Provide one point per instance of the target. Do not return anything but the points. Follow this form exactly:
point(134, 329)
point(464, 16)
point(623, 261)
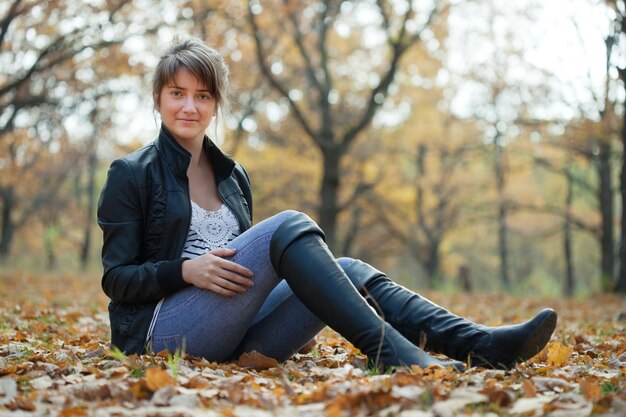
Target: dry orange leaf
point(256, 360)
point(591, 389)
point(558, 354)
point(228, 412)
point(20, 337)
point(501, 397)
point(333, 409)
point(22, 403)
point(197, 383)
point(157, 378)
point(530, 390)
point(140, 390)
point(72, 412)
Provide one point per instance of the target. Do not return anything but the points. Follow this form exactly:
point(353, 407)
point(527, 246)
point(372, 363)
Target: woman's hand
point(214, 273)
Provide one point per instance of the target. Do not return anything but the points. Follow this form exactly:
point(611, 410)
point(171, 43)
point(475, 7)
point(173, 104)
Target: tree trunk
point(6, 224)
point(503, 248)
point(329, 207)
point(569, 285)
point(432, 266)
point(620, 284)
point(91, 202)
point(50, 240)
point(465, 280)
point(353, 231)
point(606, 211)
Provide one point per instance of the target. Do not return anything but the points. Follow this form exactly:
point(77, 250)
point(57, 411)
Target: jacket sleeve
point(128, 277)
point(245, 185)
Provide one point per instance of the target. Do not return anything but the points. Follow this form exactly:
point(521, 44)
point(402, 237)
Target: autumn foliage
point(55, 360)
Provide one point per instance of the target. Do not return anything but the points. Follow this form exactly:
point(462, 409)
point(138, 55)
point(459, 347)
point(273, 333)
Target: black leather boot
point(300, 256)
point(419, 319)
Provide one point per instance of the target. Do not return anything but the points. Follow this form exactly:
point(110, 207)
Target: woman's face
point(186, 107)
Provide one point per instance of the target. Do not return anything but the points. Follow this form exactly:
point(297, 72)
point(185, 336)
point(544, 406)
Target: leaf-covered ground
point(55, 361)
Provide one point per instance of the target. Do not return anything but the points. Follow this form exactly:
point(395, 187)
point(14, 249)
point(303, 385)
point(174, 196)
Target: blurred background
point(472, 145)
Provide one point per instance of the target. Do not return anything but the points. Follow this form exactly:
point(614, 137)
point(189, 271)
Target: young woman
point(185, 269)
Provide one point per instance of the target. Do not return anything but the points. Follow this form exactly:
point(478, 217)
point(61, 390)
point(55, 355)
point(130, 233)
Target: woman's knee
point(285, 214)
point(344, 262)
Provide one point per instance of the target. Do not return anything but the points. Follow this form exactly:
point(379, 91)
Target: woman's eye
point(175, 93)
point(204, 97)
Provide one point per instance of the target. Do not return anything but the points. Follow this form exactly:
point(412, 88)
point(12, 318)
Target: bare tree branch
point(299, 40)
point(398, 48)
point(12, 13)
point(558, 170)
point(266, 70)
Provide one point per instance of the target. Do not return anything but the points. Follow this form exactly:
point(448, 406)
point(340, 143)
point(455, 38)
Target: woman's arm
point(128, 277)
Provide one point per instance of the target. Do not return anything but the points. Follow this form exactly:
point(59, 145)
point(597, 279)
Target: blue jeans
point(267, 318)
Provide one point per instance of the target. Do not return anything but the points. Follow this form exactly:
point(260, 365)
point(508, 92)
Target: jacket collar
point(178, 158)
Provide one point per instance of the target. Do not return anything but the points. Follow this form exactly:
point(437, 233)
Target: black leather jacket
point(144, 212)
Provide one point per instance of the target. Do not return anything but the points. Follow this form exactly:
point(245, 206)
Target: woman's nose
point(188, 105)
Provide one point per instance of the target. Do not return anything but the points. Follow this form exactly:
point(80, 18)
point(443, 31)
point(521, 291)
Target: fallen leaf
point(8, 390)
point(41, 383)
point(501, 397)
point(91, 391)
point(569, 405)
point(529, 388)
point(544, 383)
point(228, 412)
point(157, 378)
point(197, 383)
point(373, 400)
point(256, 360)
point(558, 354)
point(22, 403)
point(73, 412)
point(410, 392)
point(140, 390)
point(591, 389)
point(163, 396)
point(459, 398)
point(530, 405)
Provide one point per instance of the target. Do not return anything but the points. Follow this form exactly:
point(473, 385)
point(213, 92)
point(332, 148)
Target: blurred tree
point(586, 141)
point(565, 210)
point(616, 51)
point(60, 60)
point(427, 192)
point(333, 72)
point(442, 184)
point(502, 90)
point(591, 141)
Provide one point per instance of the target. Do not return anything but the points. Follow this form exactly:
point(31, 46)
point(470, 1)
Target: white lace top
point(208, 230)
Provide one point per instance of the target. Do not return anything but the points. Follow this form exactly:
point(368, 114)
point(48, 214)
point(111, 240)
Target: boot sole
point(540, 336)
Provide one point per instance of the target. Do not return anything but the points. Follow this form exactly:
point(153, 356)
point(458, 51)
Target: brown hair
point(205, 63)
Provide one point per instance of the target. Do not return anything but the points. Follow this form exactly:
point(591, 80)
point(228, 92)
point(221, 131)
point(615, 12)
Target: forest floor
point(55, 361)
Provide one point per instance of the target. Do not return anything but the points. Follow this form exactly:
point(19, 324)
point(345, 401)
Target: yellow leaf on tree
point(558, 354)
point(157, 378)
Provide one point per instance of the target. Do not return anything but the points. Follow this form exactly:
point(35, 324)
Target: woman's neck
point(197, 156)
point(195, 148)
